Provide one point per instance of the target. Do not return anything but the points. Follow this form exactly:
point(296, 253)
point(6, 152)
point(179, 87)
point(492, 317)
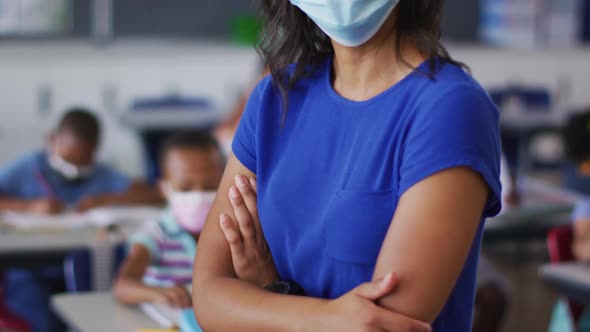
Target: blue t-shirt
point(330, 173)
point(24, 179)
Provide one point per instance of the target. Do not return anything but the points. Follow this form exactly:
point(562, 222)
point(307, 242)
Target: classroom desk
point(572, 280)
point(98, 312)
point(525, 126)
point(527, 222)
point(543, 208)
point(34, 248)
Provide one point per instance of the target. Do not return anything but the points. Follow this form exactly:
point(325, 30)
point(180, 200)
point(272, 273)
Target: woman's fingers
point(377, 289)
point(232, 235)
point(249, 190)
point(390, 321)
point(254, 185)
point(248, 195)
point(243, 216)
point(383, 319)
point(257, 226)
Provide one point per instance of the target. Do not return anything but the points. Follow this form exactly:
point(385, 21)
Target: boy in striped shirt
point(160, 261)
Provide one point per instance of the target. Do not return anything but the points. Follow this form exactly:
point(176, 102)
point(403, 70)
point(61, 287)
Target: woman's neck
point(363, 72)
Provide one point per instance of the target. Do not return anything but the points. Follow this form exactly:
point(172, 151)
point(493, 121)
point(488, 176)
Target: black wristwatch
point(287, 287)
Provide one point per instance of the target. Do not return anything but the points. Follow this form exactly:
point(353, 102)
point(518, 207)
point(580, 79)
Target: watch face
point(285, 287)
point(280, 287)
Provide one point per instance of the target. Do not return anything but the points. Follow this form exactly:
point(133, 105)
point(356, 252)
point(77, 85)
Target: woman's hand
point(251, 256)
point(357, 311)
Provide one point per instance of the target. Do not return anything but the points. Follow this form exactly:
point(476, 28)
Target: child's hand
point(91, 202)
point(251, 256)
point(176, 296)
point(46, 206)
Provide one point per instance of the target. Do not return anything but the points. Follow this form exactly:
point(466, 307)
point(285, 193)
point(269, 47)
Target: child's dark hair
point(82, 123)
point(576, 137)
point(191, 139)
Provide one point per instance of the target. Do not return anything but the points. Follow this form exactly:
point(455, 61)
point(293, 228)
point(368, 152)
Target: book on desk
point(169, 317)
point(99, 217)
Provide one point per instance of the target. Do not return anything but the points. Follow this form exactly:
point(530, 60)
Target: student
point(64, 175)
point(576, 172)
point(576, 135)
point(375, 154)
point(159, 264)
point(492, 287)
point(491, 297)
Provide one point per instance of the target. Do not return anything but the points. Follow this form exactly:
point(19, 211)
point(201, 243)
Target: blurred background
point(147, 67)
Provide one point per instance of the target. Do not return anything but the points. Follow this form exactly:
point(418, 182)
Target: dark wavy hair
point(290, 36)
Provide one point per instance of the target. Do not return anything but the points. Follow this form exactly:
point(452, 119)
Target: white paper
point(69, 220)
point(163, 314)
point(116, 215)
point(74, 220)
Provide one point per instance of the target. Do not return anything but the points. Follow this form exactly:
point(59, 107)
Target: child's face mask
point(67, 170)
point(190, 208)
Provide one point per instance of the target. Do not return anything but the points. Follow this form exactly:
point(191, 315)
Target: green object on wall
point(245, 30)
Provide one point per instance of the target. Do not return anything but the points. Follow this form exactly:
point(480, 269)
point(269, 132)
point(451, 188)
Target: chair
point(79, 268)
point(8, 320)
point(559, 244)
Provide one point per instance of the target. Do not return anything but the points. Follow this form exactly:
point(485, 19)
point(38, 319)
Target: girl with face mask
point(159, 264)
point(376, 158)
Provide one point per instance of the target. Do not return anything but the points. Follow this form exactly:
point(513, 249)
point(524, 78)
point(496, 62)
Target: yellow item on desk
point(157, 330)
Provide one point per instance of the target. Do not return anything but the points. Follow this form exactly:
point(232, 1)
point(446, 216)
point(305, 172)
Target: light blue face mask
point(348, 22)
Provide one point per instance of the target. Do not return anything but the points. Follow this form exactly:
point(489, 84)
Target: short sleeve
point(146, 237)
point(12, 175)
point(458, 129)
point(244, 143)
point(113, 180)
point(581, 211)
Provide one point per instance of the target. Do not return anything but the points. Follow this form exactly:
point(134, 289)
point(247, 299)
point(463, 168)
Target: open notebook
point(163, 314)
point(99, 217)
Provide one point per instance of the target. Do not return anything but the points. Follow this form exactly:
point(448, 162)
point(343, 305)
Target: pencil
point(45, 185)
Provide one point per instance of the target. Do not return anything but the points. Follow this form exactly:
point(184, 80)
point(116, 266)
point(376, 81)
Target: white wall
point(552, 68)
point(78, 74)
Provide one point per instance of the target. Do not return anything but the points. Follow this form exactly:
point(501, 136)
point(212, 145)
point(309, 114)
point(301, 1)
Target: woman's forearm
point(227, 304)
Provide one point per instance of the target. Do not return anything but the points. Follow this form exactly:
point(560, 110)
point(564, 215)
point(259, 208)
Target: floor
point(531, 302)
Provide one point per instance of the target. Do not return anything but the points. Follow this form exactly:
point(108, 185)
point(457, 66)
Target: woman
point(377, 160)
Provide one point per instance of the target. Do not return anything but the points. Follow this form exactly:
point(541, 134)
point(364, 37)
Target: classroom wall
point(108, 78)
point(566, 70)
